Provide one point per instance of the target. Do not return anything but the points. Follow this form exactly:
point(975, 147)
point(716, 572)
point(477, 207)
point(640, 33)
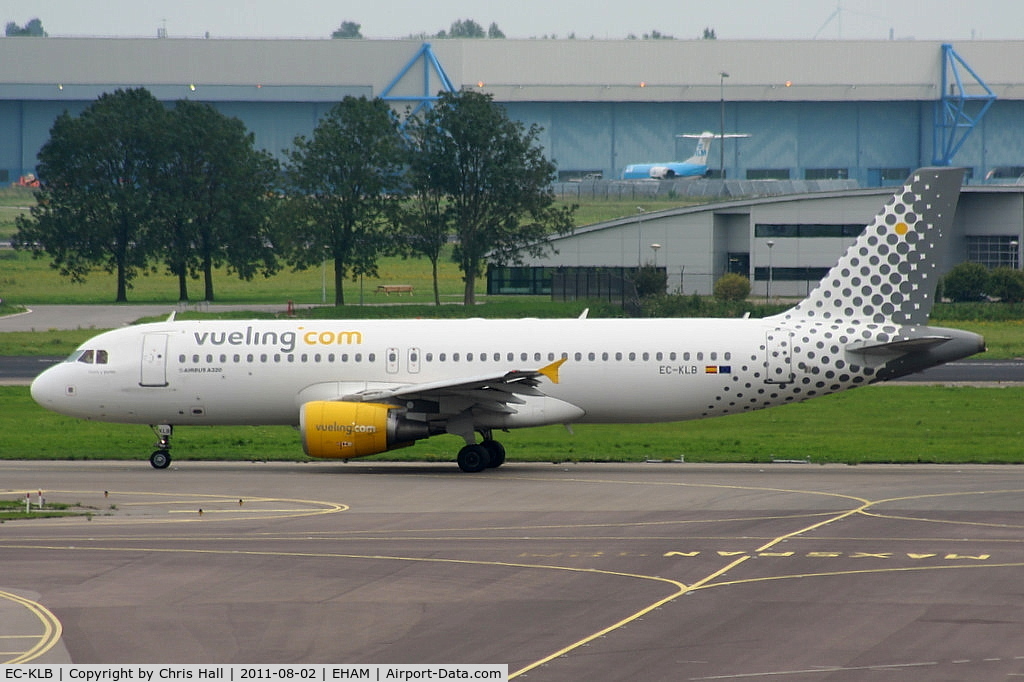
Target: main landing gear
point(488, 454)
point(161, 457)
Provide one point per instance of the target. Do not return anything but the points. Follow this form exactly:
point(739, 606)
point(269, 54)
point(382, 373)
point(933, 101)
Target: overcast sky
point(954, 20)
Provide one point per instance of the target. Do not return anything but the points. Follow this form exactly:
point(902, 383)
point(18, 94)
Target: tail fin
point(700, 155)
point(890, 273)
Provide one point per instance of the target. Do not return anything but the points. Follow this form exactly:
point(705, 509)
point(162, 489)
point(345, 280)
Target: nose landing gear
point(161, 457)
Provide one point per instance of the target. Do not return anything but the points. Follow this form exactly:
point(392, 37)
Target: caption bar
point(241, 673)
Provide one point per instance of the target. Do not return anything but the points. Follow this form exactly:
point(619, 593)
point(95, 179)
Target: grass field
point(899, 424)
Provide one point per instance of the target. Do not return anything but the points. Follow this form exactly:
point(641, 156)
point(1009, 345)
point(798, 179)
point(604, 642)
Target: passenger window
point(591, 356)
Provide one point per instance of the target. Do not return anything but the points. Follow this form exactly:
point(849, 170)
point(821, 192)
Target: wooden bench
point(388, 289)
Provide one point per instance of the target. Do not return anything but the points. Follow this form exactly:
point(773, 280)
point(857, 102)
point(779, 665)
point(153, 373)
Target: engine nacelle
point(340, 430)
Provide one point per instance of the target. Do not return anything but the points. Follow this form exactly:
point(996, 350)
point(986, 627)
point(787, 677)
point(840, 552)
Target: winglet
point(551, 371)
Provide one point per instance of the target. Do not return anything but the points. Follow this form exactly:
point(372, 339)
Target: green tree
point(426, 224)
point(464, 28)
point(214, 198)
point(494, 32)
point(496, 181)
point(1006, 284)
point(33, 29)
point(345, 186)
point(95, 203)
point(709, 34)
point(732, 286)
point(348, 29)
point(966, 282)
point(650, 281)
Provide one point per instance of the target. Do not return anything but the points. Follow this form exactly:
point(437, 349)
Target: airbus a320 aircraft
point(356, 388)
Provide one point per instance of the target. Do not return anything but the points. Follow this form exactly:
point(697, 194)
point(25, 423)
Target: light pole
point(654, 248)
point(768, 290)
point(721, 120)
point(1015, 245)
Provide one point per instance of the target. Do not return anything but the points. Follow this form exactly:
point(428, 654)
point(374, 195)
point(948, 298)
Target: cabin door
point(779, 350)
point(154, 360)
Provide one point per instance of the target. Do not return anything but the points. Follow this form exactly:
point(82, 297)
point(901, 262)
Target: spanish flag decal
point(718, 369)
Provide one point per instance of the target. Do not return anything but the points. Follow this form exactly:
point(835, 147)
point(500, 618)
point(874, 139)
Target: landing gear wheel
point(161, 459)
point(474, 458)
point(496, 451)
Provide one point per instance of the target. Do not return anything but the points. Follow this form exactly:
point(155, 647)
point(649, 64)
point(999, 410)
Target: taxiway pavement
point(564, 572)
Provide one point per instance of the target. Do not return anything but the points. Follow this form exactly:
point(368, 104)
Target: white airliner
point(694, 167)
point(356, 388)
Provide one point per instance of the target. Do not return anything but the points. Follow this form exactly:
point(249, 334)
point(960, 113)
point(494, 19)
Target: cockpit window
point(89, 357)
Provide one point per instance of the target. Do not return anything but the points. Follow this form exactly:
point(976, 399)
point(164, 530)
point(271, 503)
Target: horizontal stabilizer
point(921, 343)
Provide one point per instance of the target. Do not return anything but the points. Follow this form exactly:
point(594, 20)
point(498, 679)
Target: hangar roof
point(513, 70)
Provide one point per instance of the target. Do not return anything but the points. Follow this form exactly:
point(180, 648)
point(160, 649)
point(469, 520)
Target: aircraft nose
point(49, 388)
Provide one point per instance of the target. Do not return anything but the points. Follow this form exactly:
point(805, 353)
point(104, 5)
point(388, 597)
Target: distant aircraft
point(360, 387)
point(694, 167)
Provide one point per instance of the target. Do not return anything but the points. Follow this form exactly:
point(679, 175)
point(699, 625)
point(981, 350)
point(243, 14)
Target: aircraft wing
point(488, 391)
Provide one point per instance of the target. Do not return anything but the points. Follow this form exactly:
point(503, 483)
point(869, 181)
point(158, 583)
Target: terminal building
point(858, 112)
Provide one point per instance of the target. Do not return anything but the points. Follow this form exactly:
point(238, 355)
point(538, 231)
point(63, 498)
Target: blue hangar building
point(867, 112)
